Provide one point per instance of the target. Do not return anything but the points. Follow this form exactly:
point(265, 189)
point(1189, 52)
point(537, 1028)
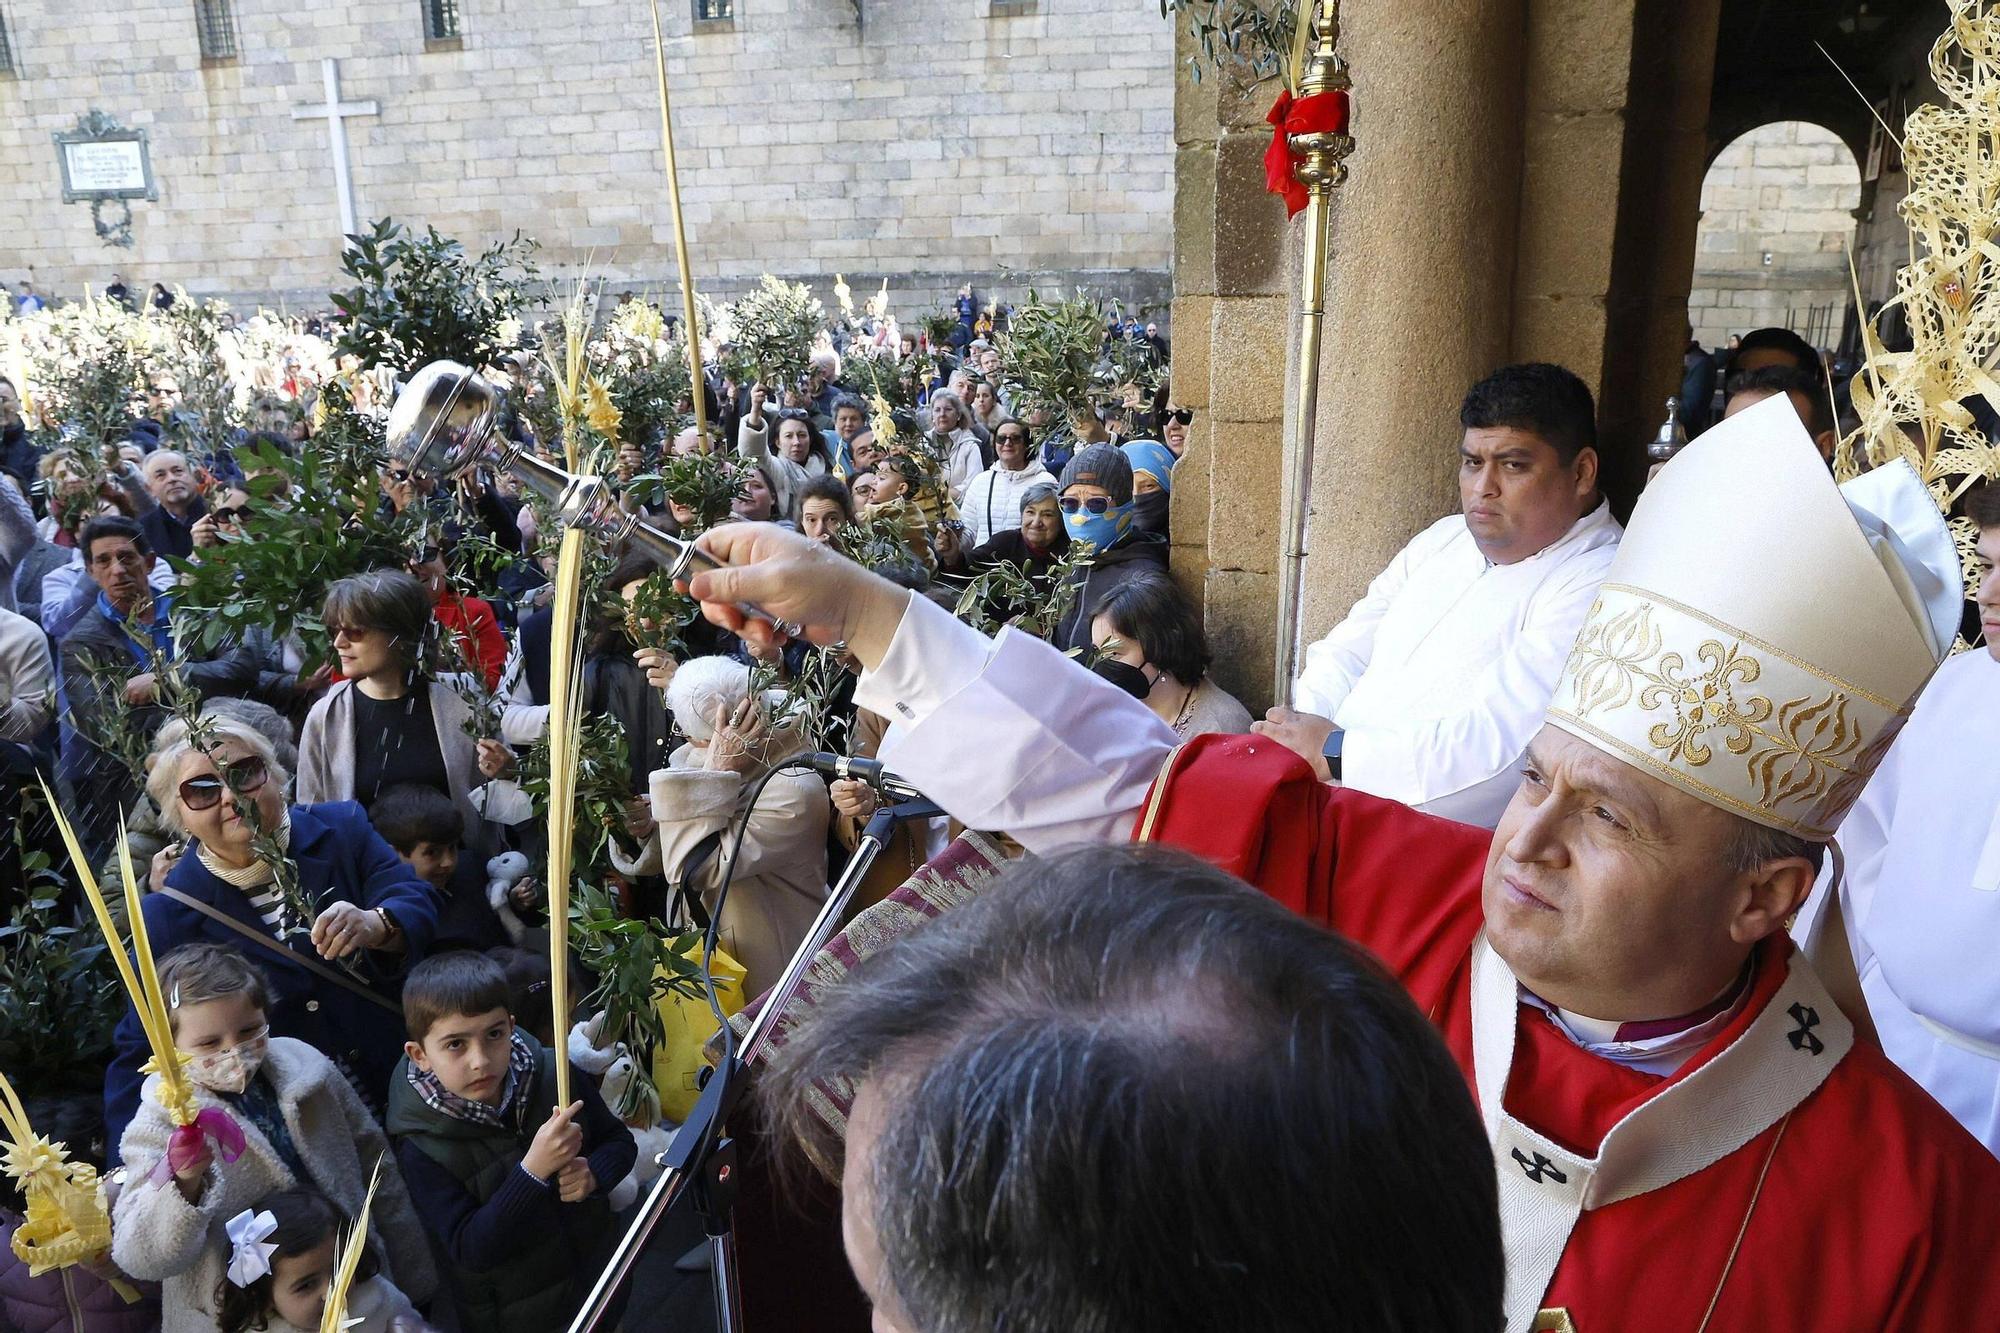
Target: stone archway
point(1777, 223)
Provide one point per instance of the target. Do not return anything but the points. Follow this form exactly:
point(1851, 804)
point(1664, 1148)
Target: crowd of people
point(338, 812)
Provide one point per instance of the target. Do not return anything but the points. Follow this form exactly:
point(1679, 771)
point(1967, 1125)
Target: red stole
point(1868, 1208)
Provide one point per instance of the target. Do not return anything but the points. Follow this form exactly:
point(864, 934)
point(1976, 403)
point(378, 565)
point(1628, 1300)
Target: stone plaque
point(102, 159)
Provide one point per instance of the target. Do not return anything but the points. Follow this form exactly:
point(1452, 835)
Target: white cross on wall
point(336, 113)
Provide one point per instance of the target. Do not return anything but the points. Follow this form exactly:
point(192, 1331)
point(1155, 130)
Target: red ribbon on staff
point(1322, 113)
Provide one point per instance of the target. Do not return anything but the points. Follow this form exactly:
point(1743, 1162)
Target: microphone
point(869, 771)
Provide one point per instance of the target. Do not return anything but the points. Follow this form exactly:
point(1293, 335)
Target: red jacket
point(478, 631)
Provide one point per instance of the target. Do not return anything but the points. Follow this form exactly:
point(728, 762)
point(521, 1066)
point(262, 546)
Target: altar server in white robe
point(1921, 896)
point(1428, 692)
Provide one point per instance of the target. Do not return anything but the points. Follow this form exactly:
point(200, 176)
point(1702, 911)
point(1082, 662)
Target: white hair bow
point(249, 1253)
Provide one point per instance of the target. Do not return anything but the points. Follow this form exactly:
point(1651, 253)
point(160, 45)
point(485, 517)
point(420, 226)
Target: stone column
point(1233, 285)
point(1420, 295)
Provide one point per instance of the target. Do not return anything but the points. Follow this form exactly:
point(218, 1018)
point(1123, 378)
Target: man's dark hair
point(451, 985)
point(1803, 353)
point(828, 487)
point(112, 525)
point(1541, 399)
point(1123, 1091)
point(1982, 506)
point(1154, 613)
point(409, 813)
point(1767, 380)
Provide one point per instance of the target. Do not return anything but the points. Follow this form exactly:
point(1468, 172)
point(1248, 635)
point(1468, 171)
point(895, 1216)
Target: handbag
point(687, 1023)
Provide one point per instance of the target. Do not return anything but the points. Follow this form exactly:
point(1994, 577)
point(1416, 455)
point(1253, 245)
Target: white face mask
point(231, 1070)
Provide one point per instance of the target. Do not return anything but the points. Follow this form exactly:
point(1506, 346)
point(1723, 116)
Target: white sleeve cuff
point(932, 656)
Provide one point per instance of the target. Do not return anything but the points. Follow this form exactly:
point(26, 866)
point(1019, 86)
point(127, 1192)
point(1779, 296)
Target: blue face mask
point(1101, 530)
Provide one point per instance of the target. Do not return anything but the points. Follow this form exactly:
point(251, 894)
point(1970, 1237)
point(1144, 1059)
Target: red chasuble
point(1865, 1208)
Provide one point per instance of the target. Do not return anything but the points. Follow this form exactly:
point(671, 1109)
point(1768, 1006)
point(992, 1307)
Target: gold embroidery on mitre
point(1807, 751)
point(1554, 1321)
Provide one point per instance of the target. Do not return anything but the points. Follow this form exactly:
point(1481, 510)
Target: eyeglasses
point(399, 475)
point(244, 776)
point(231, 513)
point(353, 632)
point(1181, 416)
point(1096, 504)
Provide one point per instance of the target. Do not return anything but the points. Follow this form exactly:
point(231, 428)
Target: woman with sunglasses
point(1174, 429)
point(390, 722)
point(992, 503)
point(1097, 508)
point(334, 948)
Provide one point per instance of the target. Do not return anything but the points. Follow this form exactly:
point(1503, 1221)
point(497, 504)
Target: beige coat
point(780, 881)
point(157, 1235)
point(326, 761)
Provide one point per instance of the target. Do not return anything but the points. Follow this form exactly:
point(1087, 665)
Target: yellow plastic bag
point(688, 1024)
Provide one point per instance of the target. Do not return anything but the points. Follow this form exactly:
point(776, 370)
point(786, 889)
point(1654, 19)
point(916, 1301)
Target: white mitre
point(1762, 634)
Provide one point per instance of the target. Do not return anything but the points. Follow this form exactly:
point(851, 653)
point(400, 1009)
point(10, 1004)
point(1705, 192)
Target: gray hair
point(159, 454)
point(1752, 845)
point(1041, 490)
point(704, 688)
point(173, 745)
point(956, 403)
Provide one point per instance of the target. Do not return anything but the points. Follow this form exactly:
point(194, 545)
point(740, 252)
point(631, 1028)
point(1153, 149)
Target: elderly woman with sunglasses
point(333, 924)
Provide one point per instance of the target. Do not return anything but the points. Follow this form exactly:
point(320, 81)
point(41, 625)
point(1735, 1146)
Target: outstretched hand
point(793, 578)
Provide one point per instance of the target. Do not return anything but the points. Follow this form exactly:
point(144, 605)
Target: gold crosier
point(1319, 165)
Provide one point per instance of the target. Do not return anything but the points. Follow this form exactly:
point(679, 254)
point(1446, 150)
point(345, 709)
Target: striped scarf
point(520, 1075)
point(258, 880)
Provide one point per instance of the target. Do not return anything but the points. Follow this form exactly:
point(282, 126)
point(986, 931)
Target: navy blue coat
point(340, 859)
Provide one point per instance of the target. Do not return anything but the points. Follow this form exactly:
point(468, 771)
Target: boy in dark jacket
point(511, 1186)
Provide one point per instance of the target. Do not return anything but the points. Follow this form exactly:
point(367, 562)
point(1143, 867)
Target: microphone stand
point(701, 1160)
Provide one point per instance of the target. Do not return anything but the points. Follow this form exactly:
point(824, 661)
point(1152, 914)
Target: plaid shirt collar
point(520, 1073)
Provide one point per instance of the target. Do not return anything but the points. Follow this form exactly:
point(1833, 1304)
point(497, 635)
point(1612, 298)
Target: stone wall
point(1777, 219)
point(1016, 143)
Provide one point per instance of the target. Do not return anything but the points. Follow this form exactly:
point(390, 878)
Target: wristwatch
point(1331, 751)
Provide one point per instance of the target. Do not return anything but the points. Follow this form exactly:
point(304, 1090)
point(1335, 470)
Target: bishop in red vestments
point(1687, 1132)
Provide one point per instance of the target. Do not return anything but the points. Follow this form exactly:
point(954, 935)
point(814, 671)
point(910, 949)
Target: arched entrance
point(1777, 222)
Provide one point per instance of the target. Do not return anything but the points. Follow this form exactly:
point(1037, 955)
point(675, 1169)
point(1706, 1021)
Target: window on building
point(215, 23)
point(714, 11)
point(440, 20)
point(6, 49)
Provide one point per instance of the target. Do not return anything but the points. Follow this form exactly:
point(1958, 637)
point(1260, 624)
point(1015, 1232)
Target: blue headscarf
point(1154, 459)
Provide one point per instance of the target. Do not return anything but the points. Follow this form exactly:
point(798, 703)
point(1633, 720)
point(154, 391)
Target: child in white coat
point(302, 1125)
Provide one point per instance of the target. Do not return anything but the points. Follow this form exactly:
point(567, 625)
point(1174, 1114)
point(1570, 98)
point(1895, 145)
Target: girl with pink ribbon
point(271, 1114)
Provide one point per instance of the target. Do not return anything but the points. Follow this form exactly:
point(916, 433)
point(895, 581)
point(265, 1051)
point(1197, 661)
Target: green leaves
point(774, 329)
point(59, 995)
point(1008, 594)
point(1241, 39)
point(1059, 360)
point(420, 298)
point(321, 524)
point(637, 964)
point(706, 483)
point(659, 615)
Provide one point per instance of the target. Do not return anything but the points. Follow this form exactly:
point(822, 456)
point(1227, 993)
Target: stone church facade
point(1011, 143)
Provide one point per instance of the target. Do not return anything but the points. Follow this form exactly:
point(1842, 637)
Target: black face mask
point(1125, 676)
point(1149, 512)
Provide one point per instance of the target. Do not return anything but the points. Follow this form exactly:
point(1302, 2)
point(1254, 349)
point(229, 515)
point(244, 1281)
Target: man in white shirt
point(1428, 692)
point(1921, 894)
